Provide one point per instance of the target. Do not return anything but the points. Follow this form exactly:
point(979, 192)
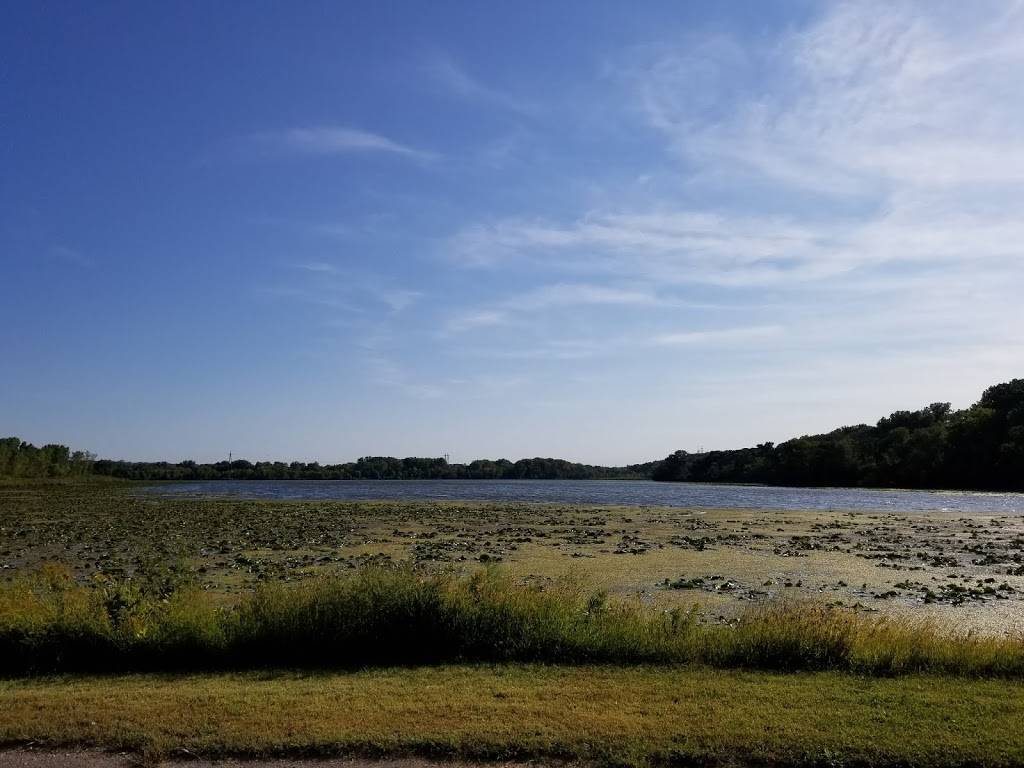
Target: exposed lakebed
point(960, 559)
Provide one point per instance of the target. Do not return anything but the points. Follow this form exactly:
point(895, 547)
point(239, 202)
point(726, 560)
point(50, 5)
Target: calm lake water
point(623, 492)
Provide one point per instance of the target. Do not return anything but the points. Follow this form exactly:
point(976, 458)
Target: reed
point(400, 616)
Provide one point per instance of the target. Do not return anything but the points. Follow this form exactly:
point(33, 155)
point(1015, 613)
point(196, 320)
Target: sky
point(601, 231)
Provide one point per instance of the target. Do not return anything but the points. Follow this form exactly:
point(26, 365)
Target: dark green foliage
point(19, 459)
point(372, 468)
point(981, 447)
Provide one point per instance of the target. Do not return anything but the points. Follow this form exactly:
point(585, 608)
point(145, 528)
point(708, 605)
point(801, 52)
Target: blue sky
point(601, 231)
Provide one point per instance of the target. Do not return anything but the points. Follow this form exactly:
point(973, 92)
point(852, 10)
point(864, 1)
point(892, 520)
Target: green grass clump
point(398, 615)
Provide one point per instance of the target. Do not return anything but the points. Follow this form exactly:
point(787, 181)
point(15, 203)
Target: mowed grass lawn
point(607, 715)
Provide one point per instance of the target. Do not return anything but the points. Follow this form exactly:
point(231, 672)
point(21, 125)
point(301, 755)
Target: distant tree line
point(20, 459)
point(371, 468)
point(981, 447)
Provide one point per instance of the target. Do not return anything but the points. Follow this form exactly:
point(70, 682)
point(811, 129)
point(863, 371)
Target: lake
point(619, 492)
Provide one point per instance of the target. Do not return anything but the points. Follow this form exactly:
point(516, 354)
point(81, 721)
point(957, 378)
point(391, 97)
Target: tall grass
point(398, 616)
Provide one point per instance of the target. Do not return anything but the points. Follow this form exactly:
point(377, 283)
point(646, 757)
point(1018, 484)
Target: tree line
point(372, 468)
point(980, 447)
point(21, 459)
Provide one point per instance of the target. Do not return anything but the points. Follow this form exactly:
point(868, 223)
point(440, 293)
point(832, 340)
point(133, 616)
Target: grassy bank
point(614, 716)
point(396, 615)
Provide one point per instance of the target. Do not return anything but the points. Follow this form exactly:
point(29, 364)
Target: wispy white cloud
point(731, 338)
point(716, 337)
point(339, 140)
point(742, 249)
point(388, 372)
point(321, 267)
point(329, 285)
point(502, 152)
point(311, 296)
point(476, 318)
point(454, 79)
point(578, 294)
point(550, 349)
point(398, 299)
point(512, 309)
point(872, 95)
point(882, 139)
point(859, 183)
point(674, 246)
point(71, 256)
